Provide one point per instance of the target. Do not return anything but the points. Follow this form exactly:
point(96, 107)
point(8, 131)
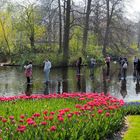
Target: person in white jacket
point(47, 67)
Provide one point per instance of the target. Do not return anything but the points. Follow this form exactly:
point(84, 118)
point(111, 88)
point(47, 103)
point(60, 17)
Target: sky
point(132, 8)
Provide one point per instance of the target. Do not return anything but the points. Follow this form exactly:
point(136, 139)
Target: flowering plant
point(68, 116)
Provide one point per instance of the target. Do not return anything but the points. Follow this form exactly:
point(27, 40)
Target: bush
point(132, 108)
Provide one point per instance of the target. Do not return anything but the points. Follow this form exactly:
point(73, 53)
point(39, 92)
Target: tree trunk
point(96, 23)
point(60, 27)
point(86, 26)
point(32, 41)
point(66, 34)
point(105, 43)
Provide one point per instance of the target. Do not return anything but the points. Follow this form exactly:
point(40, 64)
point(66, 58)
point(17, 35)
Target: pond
point(13, 82)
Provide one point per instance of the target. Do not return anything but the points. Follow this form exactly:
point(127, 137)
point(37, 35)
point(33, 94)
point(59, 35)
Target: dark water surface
point(13, 82)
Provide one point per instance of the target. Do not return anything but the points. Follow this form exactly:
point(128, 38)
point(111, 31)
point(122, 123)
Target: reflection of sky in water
point(13, 82)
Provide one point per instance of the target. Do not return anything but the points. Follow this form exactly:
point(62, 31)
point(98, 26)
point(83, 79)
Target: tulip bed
point(73, 116)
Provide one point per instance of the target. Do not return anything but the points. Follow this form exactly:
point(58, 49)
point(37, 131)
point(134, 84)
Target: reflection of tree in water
point(29, 89)
point(78, 77)
point(137, 87)
point(64, 77)
point(106, 79)
point(53, 87)
point(94, 86)
point(83, 81)
point(123, 90)
point(59, 87)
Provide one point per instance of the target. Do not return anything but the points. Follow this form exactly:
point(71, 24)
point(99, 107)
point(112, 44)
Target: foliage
point(76, 41)
point(132, 108)
point(6, 33)
point(67, 116)
point(134, 47)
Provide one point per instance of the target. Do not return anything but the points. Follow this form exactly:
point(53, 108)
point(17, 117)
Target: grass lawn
point(133, 132)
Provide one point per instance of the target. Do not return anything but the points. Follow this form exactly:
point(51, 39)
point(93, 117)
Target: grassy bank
point(133, 132)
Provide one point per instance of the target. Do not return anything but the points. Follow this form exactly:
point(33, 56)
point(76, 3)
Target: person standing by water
point(78, 65)
point(28, 72)
point(47, 67)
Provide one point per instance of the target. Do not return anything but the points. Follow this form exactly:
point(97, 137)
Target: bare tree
point(112, 7)
point(60, 27)
point(86, 26)
point(66, 33)
point(138, 34)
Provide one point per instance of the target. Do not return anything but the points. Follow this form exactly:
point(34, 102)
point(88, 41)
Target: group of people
point(28, 71)
point(122, 61)
point(92, 64)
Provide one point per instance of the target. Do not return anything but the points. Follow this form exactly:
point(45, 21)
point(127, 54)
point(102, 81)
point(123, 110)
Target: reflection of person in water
point(123, 90)
point(78, 65)
point(28, 90)
point(92, 65)
point(105, 87)
point(59, 87)
point(46, 89)
point(107, 72)
point(137, 87)
point(79, 82)
point(134, 75)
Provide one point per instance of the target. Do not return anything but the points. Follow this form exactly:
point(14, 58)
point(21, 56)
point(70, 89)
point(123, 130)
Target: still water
point(13, 82)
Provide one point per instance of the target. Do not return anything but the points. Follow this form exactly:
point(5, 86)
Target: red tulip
point(53, 128)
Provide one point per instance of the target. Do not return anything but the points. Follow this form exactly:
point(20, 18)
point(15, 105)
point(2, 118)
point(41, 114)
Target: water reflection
point(12, 82)
point(78, 82)
point(46, 89)
point(137, 87)
point(107, 72)
point(123, 90)
point(29, 88)
point(64, 77)
point(83, 81)
point(134, 75)
point(59, 89)
point(106, 79)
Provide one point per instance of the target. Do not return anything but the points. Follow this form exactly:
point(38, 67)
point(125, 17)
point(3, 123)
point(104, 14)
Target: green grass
point(133, 132)
point(19, 107)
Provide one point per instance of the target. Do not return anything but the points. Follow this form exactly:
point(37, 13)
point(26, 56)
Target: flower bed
point(132, 108)
point(72, 116)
